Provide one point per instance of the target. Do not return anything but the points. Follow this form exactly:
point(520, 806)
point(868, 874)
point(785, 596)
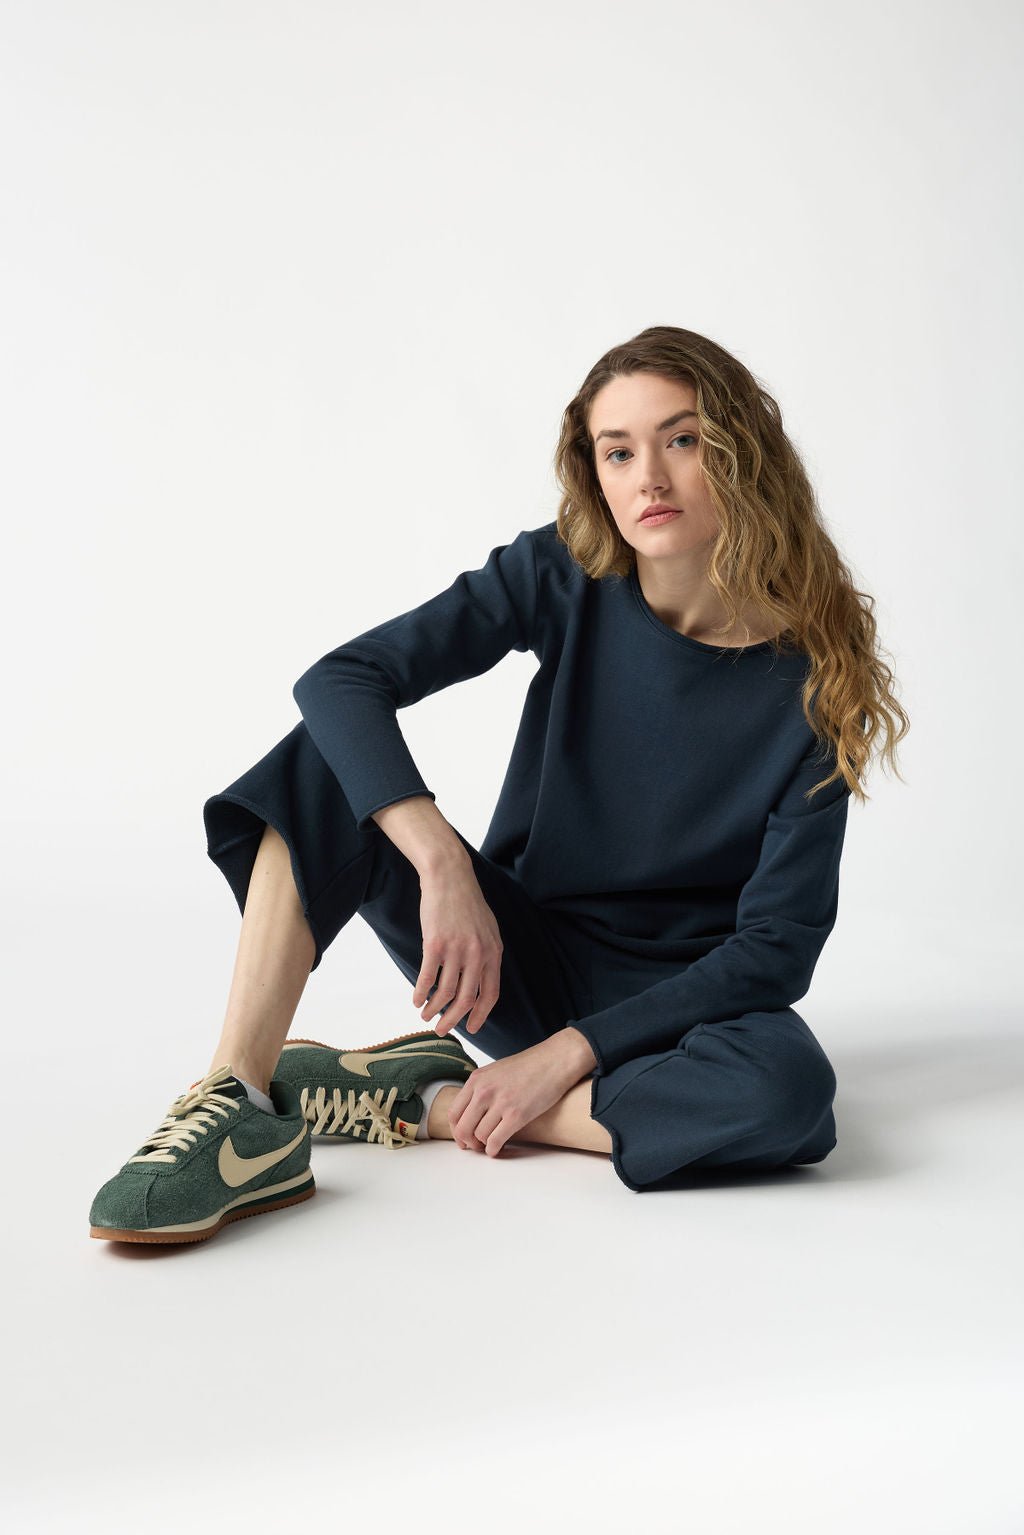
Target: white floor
point(441, 1341)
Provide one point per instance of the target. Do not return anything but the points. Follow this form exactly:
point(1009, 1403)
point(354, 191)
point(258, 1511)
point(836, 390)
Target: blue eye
point(610, 456)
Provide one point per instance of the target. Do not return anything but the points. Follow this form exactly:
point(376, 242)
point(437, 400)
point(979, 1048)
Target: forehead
point(639, 402)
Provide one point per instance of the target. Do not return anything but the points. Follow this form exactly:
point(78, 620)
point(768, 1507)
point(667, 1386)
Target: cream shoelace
point(349, 1110)
point(189, 1116)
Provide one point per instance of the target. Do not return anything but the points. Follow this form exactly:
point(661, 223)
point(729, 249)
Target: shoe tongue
point(230, 1086)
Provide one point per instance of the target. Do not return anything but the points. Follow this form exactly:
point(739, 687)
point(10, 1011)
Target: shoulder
point(555, 565)
point(537, 565)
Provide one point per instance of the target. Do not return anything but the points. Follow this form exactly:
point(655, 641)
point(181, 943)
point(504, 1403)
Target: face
point(644, 430)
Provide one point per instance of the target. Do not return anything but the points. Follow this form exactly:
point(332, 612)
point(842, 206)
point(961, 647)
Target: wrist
point(442, 860)
point(576, 1050)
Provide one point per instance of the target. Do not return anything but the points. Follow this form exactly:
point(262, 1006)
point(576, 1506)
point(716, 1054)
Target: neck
point(679, 593)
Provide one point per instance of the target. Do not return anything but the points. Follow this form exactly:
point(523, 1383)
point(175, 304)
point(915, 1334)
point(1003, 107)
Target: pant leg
point(340, 870)
point(752, 1092)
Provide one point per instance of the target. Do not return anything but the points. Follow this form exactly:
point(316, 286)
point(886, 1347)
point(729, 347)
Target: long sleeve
point(349, 698)
point(786, 910)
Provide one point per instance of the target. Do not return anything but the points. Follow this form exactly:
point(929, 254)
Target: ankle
point(438, 1127)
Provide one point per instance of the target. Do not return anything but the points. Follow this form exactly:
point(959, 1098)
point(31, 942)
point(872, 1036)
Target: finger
point(467, 1139)
point(427, 978)
point(453, 1115)
point(485, 1001)
point(464, 1127)
point(460, 980)
point(465, 1000)
point(489, 1133)
point(457, 1108)
point(447, 988)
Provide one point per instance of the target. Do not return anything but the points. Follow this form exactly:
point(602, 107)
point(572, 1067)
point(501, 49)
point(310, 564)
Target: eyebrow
point(662, 426)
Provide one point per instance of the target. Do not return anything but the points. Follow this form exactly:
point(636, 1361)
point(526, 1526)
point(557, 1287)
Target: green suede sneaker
point(214, 1158)
point(370, 1093)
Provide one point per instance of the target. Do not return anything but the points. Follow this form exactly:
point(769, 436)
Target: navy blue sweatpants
point(753, 1092)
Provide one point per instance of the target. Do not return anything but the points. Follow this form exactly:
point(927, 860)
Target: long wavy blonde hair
point(772, 548)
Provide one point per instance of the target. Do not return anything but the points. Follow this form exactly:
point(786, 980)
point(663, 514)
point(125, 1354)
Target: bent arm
point(349, 698)
point(786, 910)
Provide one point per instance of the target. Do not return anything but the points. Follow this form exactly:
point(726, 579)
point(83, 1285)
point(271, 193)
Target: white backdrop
point(293, 298)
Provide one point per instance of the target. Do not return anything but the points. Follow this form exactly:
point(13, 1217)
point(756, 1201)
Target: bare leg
point(275, 956)
point(566, 1123)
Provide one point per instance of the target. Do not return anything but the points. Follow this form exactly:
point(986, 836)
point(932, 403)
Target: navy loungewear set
point(658, 879)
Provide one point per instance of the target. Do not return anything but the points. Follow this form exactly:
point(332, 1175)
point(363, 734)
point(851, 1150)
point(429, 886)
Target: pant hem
point(261, 814)
point(612, 1129)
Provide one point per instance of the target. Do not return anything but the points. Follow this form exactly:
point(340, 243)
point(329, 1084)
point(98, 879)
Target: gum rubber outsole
point(399, 1039)
point(117, 1234)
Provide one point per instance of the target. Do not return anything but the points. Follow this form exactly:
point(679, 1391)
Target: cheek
point(699, 502)
point(705, 526)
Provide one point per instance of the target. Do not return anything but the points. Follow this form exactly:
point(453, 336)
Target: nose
point(652, 482)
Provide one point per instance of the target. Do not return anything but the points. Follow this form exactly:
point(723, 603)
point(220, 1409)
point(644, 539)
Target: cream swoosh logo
point(236, 1170)
point(358, 1061)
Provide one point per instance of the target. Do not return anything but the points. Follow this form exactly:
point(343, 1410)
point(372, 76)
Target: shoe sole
point(201, 1231)
point(399, 1039)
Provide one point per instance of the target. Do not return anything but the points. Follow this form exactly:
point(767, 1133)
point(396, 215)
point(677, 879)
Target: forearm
point(420, 831)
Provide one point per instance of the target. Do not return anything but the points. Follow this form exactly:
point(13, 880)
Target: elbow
point(800, 972)
point(791, 958)
point(301, 689)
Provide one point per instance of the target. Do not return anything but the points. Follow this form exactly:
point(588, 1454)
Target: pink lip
point(657, 510)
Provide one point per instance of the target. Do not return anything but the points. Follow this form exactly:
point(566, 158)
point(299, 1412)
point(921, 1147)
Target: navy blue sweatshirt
point(655, 787)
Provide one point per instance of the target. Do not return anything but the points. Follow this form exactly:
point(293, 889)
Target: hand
point(498, 1099)
point(461, 939)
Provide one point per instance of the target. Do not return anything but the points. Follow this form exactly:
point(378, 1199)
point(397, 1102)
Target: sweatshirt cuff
point(365, 820)
point(582, 1024)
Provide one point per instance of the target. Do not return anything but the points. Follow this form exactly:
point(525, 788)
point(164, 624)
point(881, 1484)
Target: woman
point(662, 868)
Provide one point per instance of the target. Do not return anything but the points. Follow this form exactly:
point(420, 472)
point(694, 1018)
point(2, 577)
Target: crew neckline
point(686, 639)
